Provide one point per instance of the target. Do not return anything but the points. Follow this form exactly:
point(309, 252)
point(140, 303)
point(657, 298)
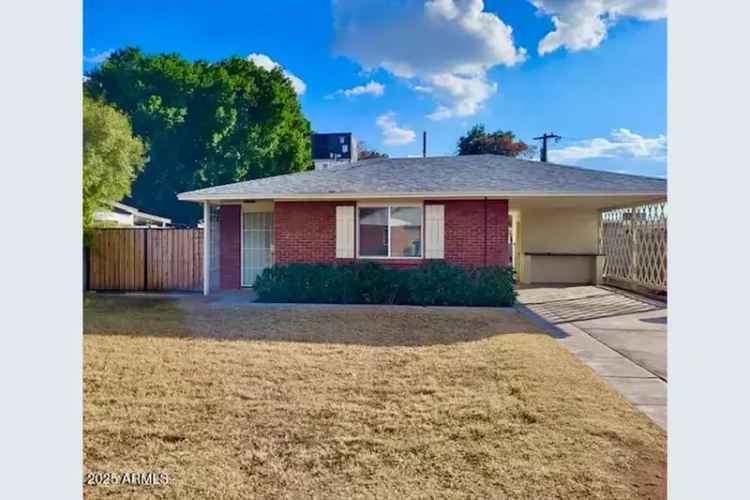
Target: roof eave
point(203, 197)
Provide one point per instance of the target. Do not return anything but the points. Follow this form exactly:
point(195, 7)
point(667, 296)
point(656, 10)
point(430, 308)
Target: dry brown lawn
point(358, 402)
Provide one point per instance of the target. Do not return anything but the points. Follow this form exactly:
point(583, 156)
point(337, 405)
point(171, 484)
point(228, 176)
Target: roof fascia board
point(428, 195)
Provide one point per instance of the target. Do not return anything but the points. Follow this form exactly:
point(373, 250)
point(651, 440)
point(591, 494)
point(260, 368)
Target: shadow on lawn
point(193, 316)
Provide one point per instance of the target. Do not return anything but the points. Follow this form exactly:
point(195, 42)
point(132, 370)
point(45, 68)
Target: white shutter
point(345, 232)
point(434, 231)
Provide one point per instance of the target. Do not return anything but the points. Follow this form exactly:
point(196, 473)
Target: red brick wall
point(465, 232)
point(306, 232)
point(497, 233)
point(230, 232)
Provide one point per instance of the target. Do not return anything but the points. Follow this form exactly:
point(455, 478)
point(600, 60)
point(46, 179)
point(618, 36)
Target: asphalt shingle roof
point(447, 174)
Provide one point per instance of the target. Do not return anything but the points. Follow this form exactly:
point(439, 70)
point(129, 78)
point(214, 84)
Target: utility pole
point(544, 138)
point(424, 144)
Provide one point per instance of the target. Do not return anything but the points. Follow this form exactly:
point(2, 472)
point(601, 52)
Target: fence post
point(145, 259)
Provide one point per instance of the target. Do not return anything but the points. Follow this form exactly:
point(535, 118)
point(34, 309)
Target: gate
point(634, 242)
point(146, 259)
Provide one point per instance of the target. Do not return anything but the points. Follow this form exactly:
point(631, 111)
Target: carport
point(619, 240)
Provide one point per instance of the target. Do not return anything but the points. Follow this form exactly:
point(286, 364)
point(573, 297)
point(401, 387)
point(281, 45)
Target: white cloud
point(266, 62)
point(423, 88)
point(622, 143)
point(443, 45)
point(583, 24)
point(468, 94)
point(372, 87)
point(98, 57)
point(392, 134)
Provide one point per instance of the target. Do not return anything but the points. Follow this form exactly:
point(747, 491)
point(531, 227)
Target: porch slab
point(232, 297)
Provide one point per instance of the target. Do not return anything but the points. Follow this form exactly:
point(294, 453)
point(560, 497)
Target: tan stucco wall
point(258, 206)
point(558, 231)
point(553, 269)
point(571, 231)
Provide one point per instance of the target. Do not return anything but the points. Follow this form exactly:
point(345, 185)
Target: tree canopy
point(112, 157)
point(478, 141)
point(204, 123)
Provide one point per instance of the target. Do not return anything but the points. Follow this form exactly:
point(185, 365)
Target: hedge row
point(436, 283)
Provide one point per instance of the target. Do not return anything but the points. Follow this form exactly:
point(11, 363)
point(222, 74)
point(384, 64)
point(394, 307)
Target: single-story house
point(127, 216)
point(479, 210)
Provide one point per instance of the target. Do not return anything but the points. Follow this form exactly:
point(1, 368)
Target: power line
point(544, 138)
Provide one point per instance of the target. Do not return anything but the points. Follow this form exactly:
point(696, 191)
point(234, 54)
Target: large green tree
point(205, 123)
point(501, 142)
point(112, 157)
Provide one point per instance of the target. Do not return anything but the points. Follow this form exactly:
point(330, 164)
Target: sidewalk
point(619, 335)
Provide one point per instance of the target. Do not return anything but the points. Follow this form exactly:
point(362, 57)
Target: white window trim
point(435, 247)
point(345, 233)
point(388, 204)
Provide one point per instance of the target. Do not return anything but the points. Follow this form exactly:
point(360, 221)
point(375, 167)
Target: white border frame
point(388, 204)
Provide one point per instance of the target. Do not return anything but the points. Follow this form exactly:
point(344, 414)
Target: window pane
point(406, 232)
point(373, 232)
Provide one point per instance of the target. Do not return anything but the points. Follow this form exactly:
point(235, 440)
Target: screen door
point(257, 245)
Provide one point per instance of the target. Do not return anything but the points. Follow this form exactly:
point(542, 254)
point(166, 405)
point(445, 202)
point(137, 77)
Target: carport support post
point(206, 246)
point(599, 269)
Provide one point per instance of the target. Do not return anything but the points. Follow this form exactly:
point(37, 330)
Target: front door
point(257, 245)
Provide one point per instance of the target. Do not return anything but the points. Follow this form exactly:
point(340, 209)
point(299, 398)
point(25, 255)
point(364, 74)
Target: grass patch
point(347, 402)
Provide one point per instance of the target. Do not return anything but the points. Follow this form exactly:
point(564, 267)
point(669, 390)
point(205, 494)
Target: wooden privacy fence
point(634, 242)
point(146, 259)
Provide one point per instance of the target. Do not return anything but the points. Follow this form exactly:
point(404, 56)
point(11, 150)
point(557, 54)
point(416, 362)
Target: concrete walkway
point(621, 336)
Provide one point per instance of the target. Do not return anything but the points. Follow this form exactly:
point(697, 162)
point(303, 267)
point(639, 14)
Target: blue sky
point(592, 71)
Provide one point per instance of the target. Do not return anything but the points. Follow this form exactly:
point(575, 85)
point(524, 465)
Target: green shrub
point(439, 283)
point(493, 286)
point(436, 283)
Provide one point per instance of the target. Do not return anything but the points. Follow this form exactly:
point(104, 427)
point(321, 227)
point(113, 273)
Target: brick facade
point(465, 239)
point(230, 232)
point(306, 232)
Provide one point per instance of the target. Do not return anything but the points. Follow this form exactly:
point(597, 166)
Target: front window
point(390, 231)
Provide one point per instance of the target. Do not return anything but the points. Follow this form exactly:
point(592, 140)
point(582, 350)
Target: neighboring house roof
point(133, 213)
point(141, 215)
point(478, 175)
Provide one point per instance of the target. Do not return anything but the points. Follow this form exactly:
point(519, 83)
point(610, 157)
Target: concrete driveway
point(620, 335)
point(641, 337)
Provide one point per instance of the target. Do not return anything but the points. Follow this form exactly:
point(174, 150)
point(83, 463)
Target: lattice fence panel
point(634, 241)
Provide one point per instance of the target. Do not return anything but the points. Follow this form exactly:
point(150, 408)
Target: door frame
point(263, 206)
